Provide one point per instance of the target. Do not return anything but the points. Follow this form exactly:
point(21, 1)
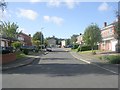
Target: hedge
point(75, 46)
point(86, 48)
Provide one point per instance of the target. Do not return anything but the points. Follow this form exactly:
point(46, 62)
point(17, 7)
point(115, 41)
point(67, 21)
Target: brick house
point(108, 38)
point(6, 41)
point(25, 39)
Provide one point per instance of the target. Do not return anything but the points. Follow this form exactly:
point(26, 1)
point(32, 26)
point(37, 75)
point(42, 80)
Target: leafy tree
point(38, 36)
point(92, 35)
point(73, 39)
point(67, 41)
point(117, 30)
point(36, 43)
point(46, 43)
point(3, 5)
point(10, 30)
point(16, 44)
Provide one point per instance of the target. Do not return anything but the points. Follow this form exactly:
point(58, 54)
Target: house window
point(110, 31)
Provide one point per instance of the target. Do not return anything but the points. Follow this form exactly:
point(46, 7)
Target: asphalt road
point(59, 69)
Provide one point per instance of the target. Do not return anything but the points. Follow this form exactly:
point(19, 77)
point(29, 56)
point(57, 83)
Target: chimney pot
point(105, 24)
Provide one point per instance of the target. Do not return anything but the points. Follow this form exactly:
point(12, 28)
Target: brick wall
point(7, 58)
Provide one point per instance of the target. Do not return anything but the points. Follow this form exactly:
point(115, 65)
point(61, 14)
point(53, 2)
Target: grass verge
point(113, 59)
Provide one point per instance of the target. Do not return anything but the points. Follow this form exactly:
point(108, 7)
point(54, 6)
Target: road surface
point(59, 69)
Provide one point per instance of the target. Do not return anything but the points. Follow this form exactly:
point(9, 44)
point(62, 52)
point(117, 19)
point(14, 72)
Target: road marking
point(95, 64)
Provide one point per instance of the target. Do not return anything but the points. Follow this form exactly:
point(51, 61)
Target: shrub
point(87, 48)
point(75, 46)
point(94, 52)
point(16, 44)
point(113, 59)
point(25, 51)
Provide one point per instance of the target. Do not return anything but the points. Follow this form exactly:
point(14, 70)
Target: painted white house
point(52, 42)
point(79, 39)
point(108, 38)
point(63, 43)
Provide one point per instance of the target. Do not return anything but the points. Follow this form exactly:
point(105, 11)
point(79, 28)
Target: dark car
point(5, 50)
point(31, 48)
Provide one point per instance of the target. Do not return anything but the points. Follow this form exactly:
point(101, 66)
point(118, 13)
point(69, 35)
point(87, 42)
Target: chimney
point(105, 24)
point(29, 35)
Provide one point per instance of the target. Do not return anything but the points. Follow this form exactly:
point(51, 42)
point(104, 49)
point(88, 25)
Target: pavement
point(87, 58)
point(20, 62)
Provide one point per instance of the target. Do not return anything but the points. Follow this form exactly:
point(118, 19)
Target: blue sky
point(61, 19)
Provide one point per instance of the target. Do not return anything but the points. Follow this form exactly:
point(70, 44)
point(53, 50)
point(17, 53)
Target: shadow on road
point(59, 70)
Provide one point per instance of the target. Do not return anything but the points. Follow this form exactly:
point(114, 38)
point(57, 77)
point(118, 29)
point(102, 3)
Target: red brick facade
point(25, 39)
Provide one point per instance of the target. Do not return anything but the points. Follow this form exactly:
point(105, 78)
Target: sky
point(61, 19)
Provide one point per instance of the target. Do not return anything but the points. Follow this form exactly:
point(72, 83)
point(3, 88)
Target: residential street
point(59, 69)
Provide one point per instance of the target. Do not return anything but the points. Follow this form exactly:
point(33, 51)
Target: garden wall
point(7, 58)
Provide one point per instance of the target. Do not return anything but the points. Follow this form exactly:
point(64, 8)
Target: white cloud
point(53, 19)
point(103, 7)
point(69, 3)
point(34, 1)
point(26, 13)
point(46, 18)
point(55, 3)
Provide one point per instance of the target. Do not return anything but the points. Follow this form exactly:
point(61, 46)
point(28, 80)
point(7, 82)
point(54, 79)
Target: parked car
point(5, 50)
point(69, 46)
point(31, 48)
point(49, 49)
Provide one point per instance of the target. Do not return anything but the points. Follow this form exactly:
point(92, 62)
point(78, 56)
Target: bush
point(87, 48)
point(113, 59)
point(94, 52)
point(25, 51)
point(16, 44)
point(75, 46)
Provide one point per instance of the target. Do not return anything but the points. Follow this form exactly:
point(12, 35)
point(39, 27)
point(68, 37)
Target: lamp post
point(41, 36)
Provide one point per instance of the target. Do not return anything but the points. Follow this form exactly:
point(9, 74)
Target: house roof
point(8, 38)
point(108, 26)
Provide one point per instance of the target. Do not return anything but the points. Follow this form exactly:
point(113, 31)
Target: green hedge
point(75, 46)
point(113, 59)
point(25, 51)
point(86, 48)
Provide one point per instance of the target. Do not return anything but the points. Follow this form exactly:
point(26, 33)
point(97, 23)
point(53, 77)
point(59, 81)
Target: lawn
point(20, 55)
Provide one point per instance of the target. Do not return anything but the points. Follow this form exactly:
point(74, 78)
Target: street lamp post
point(41, 37)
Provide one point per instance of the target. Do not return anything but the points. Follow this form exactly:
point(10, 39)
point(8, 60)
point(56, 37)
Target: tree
point(9, 30)
point(67, 41)
point(37, 43)
point(3, 5)
point(117, 30)
point(46, 43)
point(73, 39)
point(38, 36)
point(16, 44)
point(92, 35)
